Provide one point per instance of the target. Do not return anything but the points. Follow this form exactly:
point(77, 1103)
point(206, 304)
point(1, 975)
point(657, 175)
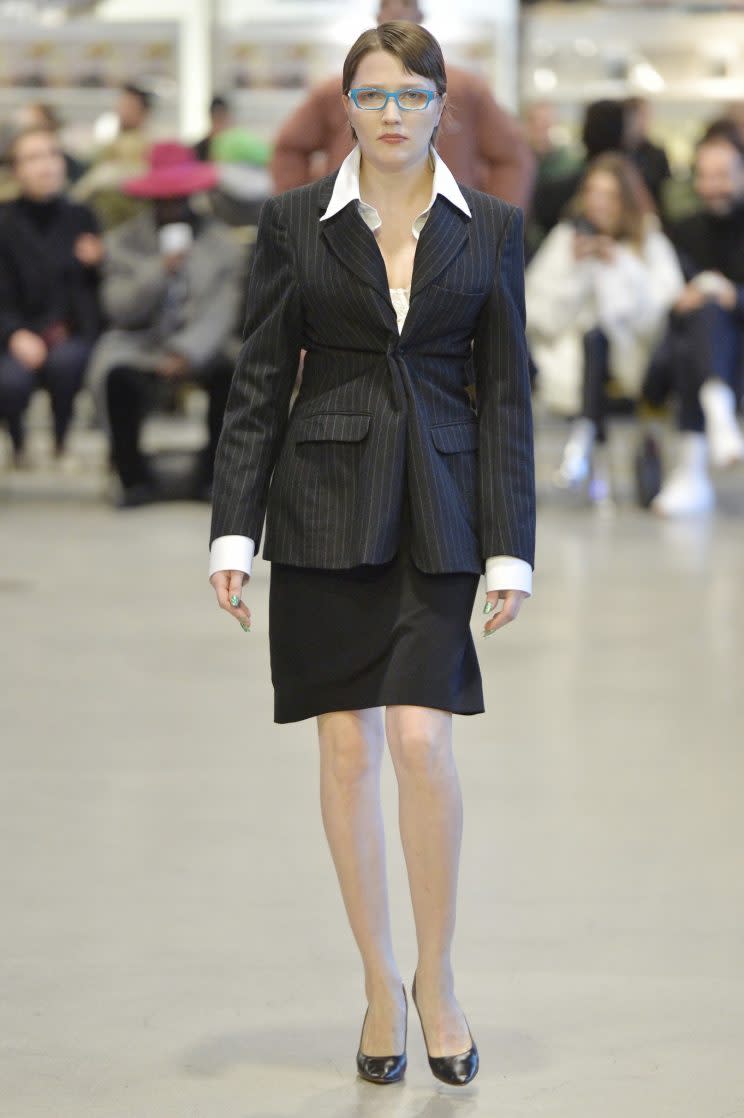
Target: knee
point(419, 749)
point(709, 320)
point(349, 754)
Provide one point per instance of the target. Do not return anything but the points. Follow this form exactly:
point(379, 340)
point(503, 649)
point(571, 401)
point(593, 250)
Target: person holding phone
point(171, 286)
point(599, 291)
point(386, 497)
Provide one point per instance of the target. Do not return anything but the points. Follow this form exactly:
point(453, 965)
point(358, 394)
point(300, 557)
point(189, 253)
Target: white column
point(194, 18)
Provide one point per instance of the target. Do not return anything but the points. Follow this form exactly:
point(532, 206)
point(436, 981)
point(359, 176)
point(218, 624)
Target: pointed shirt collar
point(346, 189)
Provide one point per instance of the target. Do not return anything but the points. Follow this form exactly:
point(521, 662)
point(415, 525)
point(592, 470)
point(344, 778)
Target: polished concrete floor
point(172, 943)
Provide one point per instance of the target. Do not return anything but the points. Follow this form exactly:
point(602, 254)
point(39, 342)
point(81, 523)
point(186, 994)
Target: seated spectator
point(171, 289)
point(50, 251)
point(598, 294)
point(123, 157)
point(701, 355)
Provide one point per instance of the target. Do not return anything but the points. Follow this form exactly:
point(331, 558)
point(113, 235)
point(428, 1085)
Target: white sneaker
point(684, 494)
point(724, 437)
point(688, 490)
point(576, 462)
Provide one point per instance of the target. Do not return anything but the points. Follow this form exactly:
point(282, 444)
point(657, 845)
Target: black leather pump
point(458, 1070)
point(382, 1069)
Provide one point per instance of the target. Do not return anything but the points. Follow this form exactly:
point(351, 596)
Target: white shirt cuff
point(505, 572)
point(231, 553)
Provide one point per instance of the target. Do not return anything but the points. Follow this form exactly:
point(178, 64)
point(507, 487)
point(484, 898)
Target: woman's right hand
point(228, 586)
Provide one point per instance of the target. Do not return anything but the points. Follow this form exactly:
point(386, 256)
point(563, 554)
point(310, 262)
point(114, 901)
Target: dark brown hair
point(635, 201)
point(415, 48)
point(722, 131)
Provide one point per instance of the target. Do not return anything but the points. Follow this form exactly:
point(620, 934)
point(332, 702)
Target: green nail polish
point(489, 607)
point(245, 628)
point(235, 600)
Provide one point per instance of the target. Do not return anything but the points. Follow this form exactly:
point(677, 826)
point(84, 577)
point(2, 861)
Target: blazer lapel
point(442, 238)
point(354, 244)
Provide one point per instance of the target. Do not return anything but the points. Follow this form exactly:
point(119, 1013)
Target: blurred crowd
point(122, 277)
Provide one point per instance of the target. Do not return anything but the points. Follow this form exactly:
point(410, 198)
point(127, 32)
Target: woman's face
point(602, 203)
point(39, 165)
point(392, 138)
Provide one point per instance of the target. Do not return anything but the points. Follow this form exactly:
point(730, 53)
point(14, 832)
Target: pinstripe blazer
point(380, 413)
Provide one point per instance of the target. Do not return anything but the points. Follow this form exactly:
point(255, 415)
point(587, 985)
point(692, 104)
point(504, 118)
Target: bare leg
point(430, 811)
point(351, 748)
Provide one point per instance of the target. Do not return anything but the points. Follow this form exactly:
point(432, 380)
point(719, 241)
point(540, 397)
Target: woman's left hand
point(511, 604)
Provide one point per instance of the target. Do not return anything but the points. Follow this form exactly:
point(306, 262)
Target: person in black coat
point(650, 159)
point(702, 353)
point(50, 251)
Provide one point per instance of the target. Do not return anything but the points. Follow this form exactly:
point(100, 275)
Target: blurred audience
point(603, 131)
point(125, 156)
point(170, 289)
point(615, 314)
point(701, 355)
point(481, 144)
point(50, 252)
point(598, 294)
point(650, 159)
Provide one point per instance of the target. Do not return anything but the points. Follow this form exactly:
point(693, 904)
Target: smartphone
point(585, 227)
point(175, 238)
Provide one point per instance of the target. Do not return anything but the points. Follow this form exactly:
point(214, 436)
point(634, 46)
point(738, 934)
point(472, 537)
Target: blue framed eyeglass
point(372, 99)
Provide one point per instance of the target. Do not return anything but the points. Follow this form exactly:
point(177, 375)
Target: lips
point(392, 138)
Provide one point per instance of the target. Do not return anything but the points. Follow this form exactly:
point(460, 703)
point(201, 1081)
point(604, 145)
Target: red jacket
point(481, 144)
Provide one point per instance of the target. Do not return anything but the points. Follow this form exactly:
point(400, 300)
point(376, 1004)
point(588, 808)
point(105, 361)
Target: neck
point(400, 188)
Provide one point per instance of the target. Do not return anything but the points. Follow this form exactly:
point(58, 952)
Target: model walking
point(386, 495)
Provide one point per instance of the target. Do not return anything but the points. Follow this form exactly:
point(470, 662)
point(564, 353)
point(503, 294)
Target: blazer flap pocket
point(452, 437)
point(337, 427)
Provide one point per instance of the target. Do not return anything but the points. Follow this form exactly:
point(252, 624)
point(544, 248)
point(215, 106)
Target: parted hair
point(637, 206)
point(415, 48)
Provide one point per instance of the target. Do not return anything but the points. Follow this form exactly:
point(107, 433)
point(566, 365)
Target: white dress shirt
point(235, 553)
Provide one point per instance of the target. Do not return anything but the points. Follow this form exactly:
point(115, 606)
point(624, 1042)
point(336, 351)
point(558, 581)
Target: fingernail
point(490, 632)
point(489, 607)
point(234, 600)
point(245, 628)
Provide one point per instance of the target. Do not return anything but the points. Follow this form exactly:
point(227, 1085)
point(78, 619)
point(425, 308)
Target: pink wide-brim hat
point(175, 172)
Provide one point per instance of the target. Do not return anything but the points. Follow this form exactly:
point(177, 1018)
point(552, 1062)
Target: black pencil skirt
point(372, 636)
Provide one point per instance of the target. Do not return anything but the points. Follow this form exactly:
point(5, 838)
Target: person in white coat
point(599, 292)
